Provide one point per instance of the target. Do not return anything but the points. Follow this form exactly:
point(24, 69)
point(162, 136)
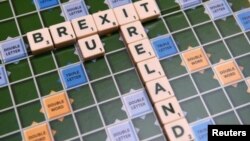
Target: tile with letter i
point(40, 41)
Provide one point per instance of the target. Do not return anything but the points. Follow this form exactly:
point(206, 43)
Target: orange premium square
point(195, 59)
point(56, 105)
point(37, 133)
point(227, 72)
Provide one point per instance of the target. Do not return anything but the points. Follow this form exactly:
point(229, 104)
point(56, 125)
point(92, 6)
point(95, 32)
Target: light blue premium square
point(3, 77)
point(137, 103)
point(201, 130)
point(164, 46)
point(117, 3)
point(243, 18)
point(218, 9)
point(73, 75)
point(75, 9)
point(122, 132)
point(12, 50)
point(188, 3)
point(42, 4)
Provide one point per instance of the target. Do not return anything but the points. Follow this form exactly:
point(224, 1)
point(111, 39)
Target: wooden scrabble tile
point(150, 69)
point(105, 21)
point(159, 89)
point(84, 26)
point(227, 72)
point(91, 47)
point(195, 59)
point(37, 133)
point(133, 32)
point(141, 50)
point(126, 14)
point(56, 105)
point(147, 10)
point(168, 110)
point(40, 41)
point(62, 34)
point(179, 130)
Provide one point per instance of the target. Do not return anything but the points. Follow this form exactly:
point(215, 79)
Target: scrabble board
point(203, 47)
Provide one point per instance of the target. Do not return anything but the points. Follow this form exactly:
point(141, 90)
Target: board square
point(218, 9)
point(73, 75)
point(3, 77)
point(164, 46)
point(188, 3)
point(243, 19)
point(42, 4)
point(137, 103)
point(118, 3)
point(75, 9)
point(12, 50)
point(37, 132)
point(200, 130)
point(227, 72)
point(195, 59)
point(56, 105)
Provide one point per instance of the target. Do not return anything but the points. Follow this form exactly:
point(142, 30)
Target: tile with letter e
point(164, 46)
point(84, 26)
point(188, 3)
point(42, 4)
point(56, 105)
point(141, 50)
point(218, 9)
point(38, 132)
point(227, 72)
point(73, 75)
point(168, 110)
point(195, 59)
point(105, 21)
point(40, 41)
point(62, 34)
point(126, 14)
point(12, 50)
point(118, 3)
point(75, 9)
point(150, 69)
point(200, 130)
point(243, 18)
point(159, 89)
point(179, 130)
point(122, 132)
point(91, 47)
point(147, 10)
point(137, 103)
point(133, 32)
point(3, 76)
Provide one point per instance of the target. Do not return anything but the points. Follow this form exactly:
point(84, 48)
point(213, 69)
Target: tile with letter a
point(133, 32)
point(42, 4)
point(37, 133)
point(3, 76)
point(12, 50)
point(56, 105)
point(227, 72)
point(218, 9)
point(243, 18)
point(159, 89)
point(147, 10)
point(73, 75)
point(40, 41)
point(150, 69)
point(75, 9)
point(105, 21)
point(179, 130)
point(122, 132)
point(91, 47)
point(84, 26)
point(126, 14)
point(168, 110)
point(118, 3)
point(62, 34)
point(141, 50)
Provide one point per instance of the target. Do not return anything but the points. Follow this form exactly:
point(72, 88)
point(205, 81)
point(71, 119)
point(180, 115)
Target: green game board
point(98, 104)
